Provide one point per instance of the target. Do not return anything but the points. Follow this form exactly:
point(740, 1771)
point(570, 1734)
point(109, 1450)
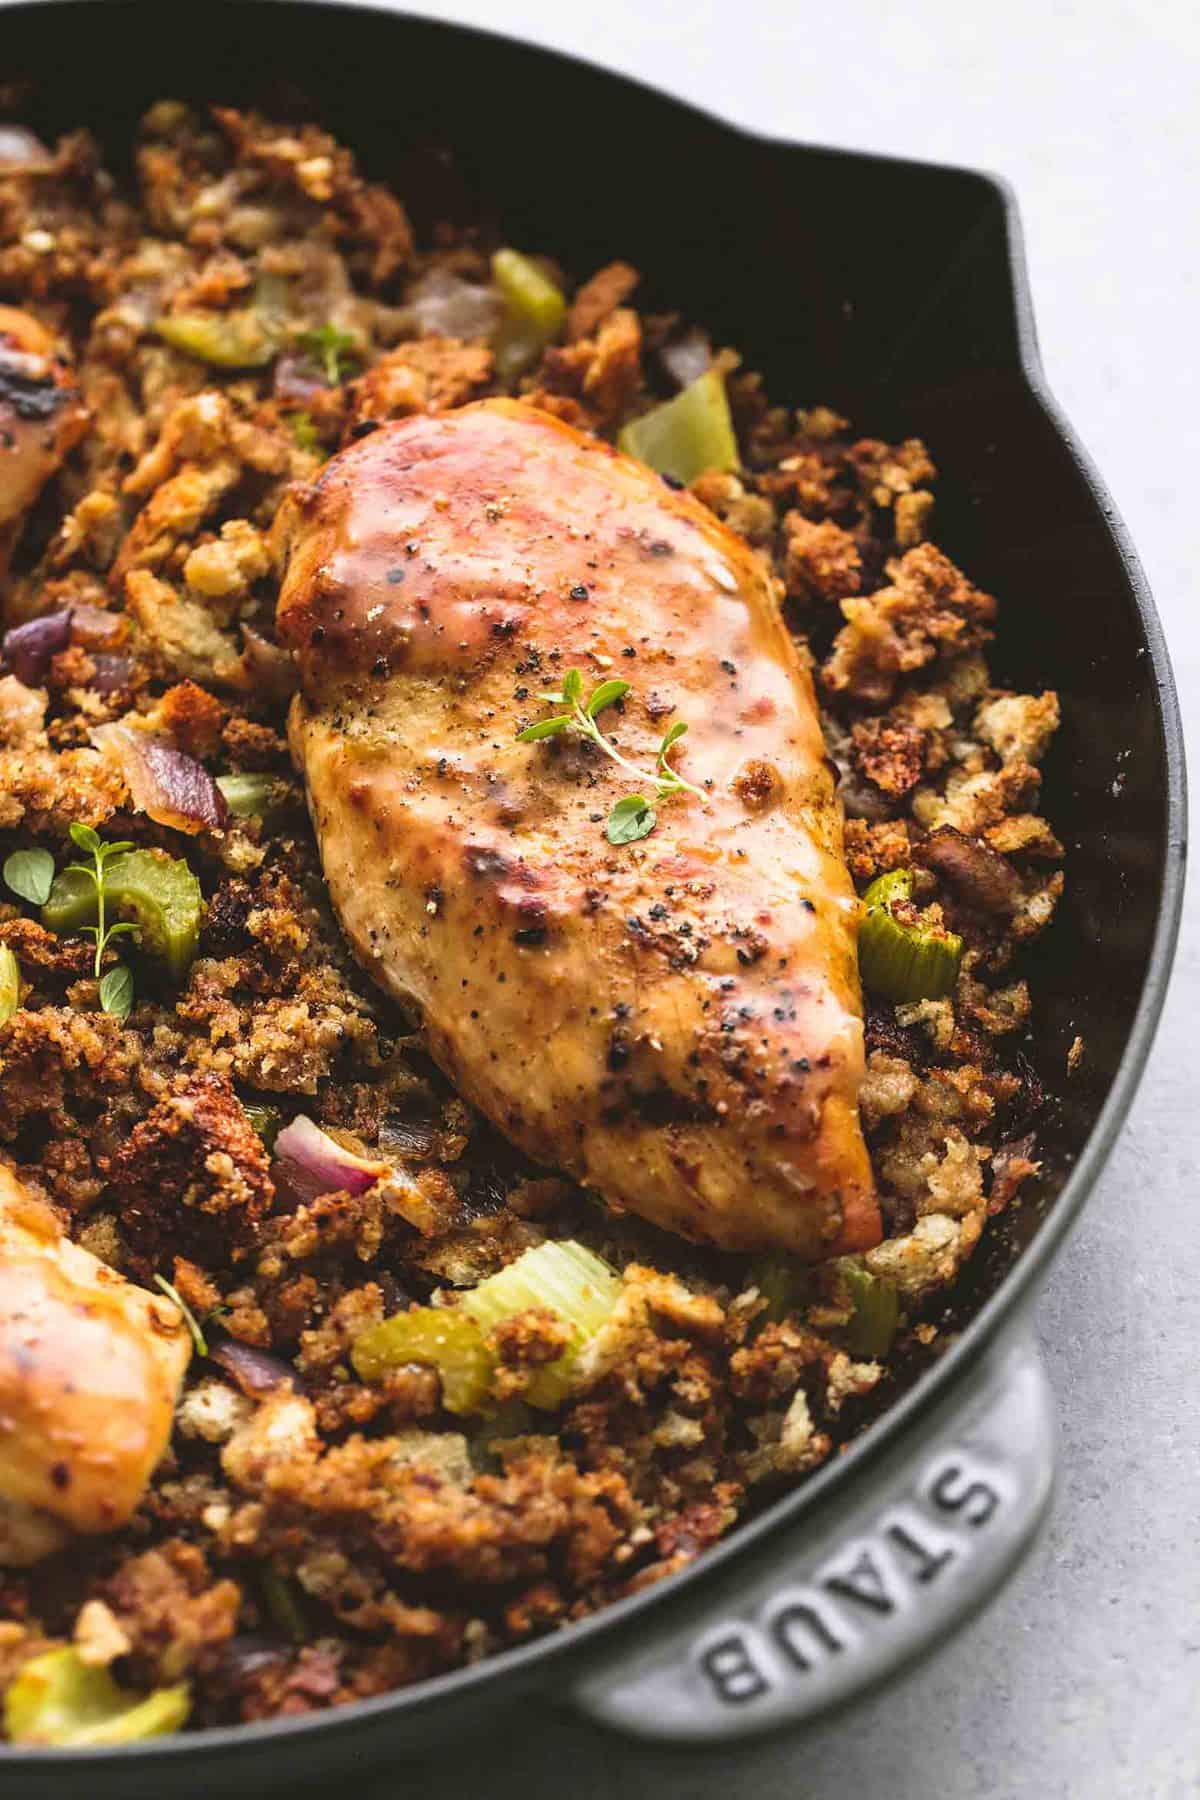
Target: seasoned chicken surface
point(90, 1367)
point(675, 1021)
point(41, 418)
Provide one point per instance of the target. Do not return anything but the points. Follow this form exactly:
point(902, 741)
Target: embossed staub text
point(873, 1580)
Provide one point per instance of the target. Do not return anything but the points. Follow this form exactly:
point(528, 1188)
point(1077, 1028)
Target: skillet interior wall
point(882, 289)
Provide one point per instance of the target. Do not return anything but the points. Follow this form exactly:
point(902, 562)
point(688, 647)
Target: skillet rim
point(586, 1636)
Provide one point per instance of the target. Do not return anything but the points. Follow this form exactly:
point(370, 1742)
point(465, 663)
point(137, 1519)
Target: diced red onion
point(95, 627)
point(295, 382)
point(168, 785)
point(313, 1163)
point(243, 1657)
point(688, 357)
point(28, 648)
point(256, 1371)
point(271, 665)
point(442, 304)
point(112, 672)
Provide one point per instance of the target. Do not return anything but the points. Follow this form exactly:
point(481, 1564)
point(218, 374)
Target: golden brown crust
point(929, 609)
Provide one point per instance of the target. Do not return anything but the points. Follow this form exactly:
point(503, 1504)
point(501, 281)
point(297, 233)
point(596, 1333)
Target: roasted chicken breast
point(90, 1366)
point(675, 1021)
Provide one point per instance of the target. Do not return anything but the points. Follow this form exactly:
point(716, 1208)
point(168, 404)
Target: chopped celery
point(782, 1286)
point(304, 430)
point(283, 1604)
point(535, 310)
point(157, 892)
point(249, 796)
point(59, 1699)
point(440, 1338)
point(901, 961)
point(566, 1279)
point(528, 291)
point(10, 983)
point(688, 434)
point(876, 1307)
point(233, 340)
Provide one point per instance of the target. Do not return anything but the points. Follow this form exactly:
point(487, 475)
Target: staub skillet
point(897, 293)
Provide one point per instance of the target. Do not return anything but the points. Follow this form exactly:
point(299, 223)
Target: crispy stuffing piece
point(194, 348)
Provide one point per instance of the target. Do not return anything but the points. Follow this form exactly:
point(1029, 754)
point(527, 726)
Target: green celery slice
point(568, 1280)
point(159, 893)
point(59, 1699)
point(528, 291)
point(687, 435)
point(876, 1304)
point(535, 311)
point(902, 962)
point(232, 340)
point(10, 983)
point(783, 1285)
point(252, 795)
point(565, 1278)
point(266, 1120)
point(436, 1337)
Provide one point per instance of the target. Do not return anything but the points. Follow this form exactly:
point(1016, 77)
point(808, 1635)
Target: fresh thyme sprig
point(116, 987)
point(173, 1294)
point(330, 348)
point(633, 816)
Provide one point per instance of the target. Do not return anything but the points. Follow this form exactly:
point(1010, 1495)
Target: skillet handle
point(857, 1590)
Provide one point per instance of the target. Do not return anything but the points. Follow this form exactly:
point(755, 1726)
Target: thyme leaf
point(29, 874)
point(633, 816)
point(116, 990)
point(630, 819)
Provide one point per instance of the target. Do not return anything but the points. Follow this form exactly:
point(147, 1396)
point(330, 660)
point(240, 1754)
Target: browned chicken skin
point(41, 418)
point(90, 1366)
point(676, 1021)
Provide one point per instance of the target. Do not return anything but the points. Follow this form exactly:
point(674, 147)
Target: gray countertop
point(1083, 1679)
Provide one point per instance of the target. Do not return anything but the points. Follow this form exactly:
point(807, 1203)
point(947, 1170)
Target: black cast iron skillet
point(897, 293)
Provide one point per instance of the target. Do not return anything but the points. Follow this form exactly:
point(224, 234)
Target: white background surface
point(1083, 1680)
